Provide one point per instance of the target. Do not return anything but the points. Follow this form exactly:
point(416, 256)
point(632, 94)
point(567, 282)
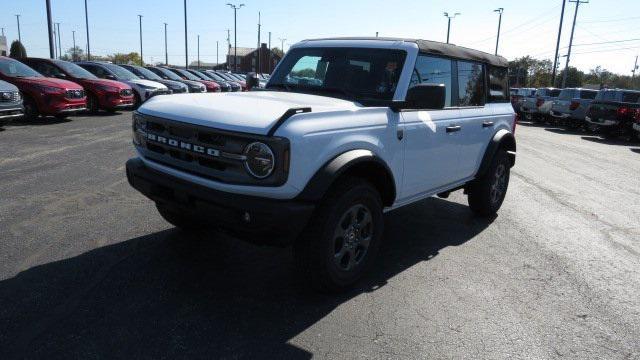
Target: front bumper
point(10, 113)
point(269, 221)
point(115, 101)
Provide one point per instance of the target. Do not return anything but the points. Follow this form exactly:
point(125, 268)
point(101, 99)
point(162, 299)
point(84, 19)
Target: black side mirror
point(61, 75)
point(252, 80)
point(110, 77)
point(424, 96)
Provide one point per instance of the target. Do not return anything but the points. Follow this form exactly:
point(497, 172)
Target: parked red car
point(211, 85)
point(104, 94)
point(43, 95)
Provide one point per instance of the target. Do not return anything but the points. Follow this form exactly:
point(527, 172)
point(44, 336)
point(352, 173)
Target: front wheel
point(343, 237)
point(487, 193)
point(30, 109)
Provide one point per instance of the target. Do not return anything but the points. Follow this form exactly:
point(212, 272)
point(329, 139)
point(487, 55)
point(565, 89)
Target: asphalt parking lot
point(88, 269)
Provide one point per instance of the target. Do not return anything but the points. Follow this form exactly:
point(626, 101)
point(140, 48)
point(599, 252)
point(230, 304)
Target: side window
point(470, 84)
point(498, 84)
point(433, 70)
point(309, 70)
point(47, 70)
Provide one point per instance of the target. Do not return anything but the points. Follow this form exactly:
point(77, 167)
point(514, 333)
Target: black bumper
point(271, 221)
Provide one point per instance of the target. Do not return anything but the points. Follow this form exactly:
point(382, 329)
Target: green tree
point(575, 77)
point(130, 58)
point(73, 54)
point(17, 50)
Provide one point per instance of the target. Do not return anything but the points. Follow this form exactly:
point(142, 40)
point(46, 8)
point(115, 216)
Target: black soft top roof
point(439, 48)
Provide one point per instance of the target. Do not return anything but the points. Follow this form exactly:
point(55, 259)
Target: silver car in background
point(536, 107)
point(571, 106)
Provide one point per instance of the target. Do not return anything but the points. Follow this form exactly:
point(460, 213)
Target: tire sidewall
point(367, 196)
point(500, 158)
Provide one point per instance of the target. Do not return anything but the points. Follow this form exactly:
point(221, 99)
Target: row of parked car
point(611, 112)
point(33, 86)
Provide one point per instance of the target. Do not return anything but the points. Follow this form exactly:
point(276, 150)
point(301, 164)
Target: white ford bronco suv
point(345, 130)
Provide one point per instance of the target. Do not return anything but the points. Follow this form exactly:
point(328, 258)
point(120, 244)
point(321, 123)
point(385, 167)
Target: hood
point(5, 86)
point(106, 82)
point(192, 83)
point(249, 112)
point(59, 83)
point(172, 84)
point(149, 83)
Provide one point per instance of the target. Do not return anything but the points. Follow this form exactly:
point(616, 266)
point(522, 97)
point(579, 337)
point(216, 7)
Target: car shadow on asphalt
point(636, 150)
point(608, 141)
point(43, 120)
point(173, 295)
point(567, 131)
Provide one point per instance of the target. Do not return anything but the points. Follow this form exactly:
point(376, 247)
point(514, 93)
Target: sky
point(607, 32)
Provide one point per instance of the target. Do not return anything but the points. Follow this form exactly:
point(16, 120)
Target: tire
point(486, 194)
point(30, 109)
point(92, 104)
point(342, 239)
point(137, 101)
point(61, 116)
point(178, 220)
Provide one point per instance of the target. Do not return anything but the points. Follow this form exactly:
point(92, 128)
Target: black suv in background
point(10, 102)
point(613, 111)
point(176, 87)
point(194, 86)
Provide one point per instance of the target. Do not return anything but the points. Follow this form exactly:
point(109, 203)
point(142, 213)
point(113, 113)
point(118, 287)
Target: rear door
point(432, 148)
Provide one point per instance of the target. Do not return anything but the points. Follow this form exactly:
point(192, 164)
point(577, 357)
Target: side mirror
point(424, 96)
point(61, 75)
point(110, 77)
point(252, 80)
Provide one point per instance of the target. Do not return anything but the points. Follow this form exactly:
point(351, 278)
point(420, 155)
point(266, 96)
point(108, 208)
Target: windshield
point(167, 73)
point(120, 72)
point(13, 68)
point(145, 73)
point(74, 70)
point(226, 77)
point(200, 75)
point(355, 73)
point(186, 74)
point(216, 77)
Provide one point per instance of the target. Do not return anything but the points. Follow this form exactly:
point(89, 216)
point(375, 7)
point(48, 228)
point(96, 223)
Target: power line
point(610, 20)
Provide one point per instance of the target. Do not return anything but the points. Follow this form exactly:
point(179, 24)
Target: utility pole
point(555, 61)
point(166, 52)
point(198, 52)
point(59, 42)
point(376, 34)
point(19, 36)
point(235, 34)
point(228, 49)
point(217, 53)
point(258, 67)
point(86, 19)
point(73, 54)
point(573, 28)
point(55, 41)
point(49, 30)
point(446, 14)
point(186, 47)
point(498, 10)
point(633, 72)
point(270, 55)
point(140, 21)
point(282, 46)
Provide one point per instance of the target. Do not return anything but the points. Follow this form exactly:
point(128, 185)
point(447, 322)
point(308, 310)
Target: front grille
point(126, 92)
point(74, 94)
point(9, 96)
point(220, 155)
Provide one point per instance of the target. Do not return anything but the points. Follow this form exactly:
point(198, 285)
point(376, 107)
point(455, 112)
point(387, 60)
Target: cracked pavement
point(88, 269)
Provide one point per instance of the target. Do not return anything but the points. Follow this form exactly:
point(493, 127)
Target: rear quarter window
point(498, 84)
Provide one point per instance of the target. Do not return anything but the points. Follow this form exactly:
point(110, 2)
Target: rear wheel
point(487, 193)
point(343, 237)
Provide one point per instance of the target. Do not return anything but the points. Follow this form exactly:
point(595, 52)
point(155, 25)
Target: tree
point(277, 51)
point(575, 77)
point(17, 50)
point(130, 58)
point(73, 54)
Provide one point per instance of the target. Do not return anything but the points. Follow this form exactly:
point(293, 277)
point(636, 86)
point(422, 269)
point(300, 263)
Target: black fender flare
point(501, 139)
point(364, 163)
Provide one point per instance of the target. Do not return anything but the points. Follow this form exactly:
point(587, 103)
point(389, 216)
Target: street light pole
point(270, 53)
point(573, 28)
point(86, 19)
point(186, 46)
point(19, 36)
point(59, 41)
point(55, 41)
point(498, 10)
point(258, 63)
point(446, 14)
point(49, 30)
point(235, 34)
point(73, 54)
point(217, 53)
point(140, 21)
point(198, 52)
point(166, 53)
point(282, 45)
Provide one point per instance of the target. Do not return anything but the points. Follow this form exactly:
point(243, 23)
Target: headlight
point(260, 161)
point(139, 125)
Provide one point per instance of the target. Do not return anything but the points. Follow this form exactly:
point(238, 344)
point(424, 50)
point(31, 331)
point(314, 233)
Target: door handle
point(454, 128)
point(400, 134)
point(487, 124)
